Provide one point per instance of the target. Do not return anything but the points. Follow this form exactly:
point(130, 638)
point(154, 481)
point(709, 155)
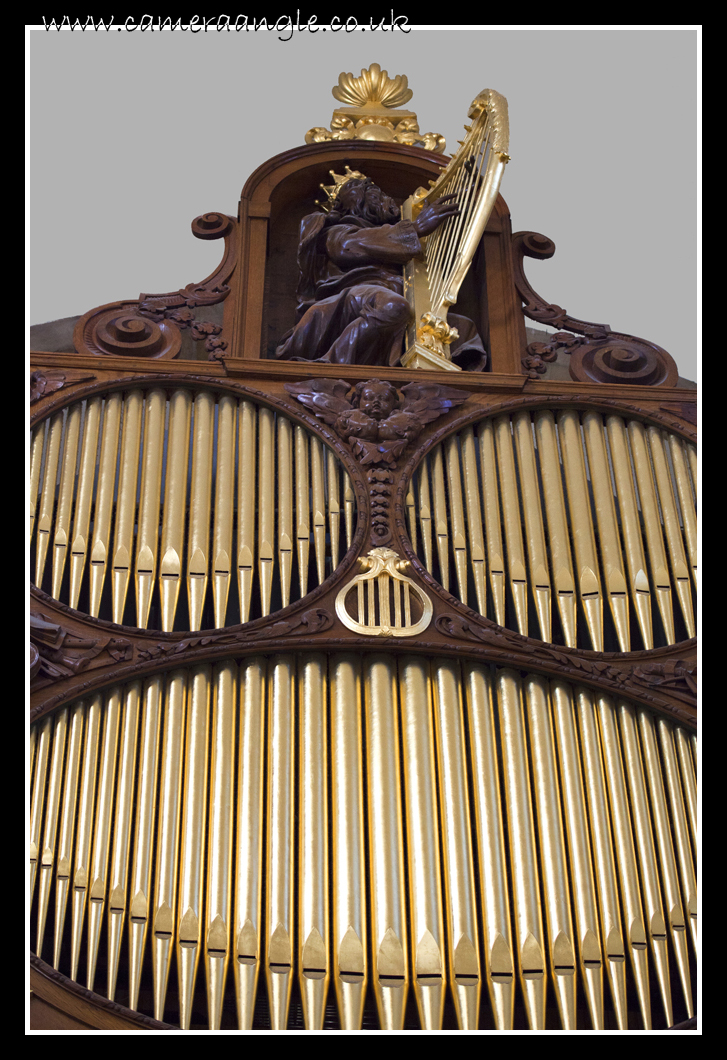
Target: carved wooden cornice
point(678, 400)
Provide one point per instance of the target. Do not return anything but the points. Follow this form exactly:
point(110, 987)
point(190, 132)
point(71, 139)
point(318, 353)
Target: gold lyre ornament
point(472, 178)
point(383, 598)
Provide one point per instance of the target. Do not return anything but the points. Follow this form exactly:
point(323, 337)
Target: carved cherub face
point(377, 400)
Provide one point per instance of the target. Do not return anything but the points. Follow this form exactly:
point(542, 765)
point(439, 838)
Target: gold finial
point(332, 190)
point(371, 115)
point(373, 86)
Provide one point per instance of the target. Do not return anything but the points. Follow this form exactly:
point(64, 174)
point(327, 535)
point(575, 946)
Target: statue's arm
point(350, 247)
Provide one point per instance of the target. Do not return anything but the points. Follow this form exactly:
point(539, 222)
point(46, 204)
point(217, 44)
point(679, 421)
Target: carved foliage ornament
point(314, 620)
point(183, 317)
point(51, 379)
point(57, 652)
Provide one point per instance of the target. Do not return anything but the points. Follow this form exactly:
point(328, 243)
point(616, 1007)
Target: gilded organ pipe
point(140, 894)
point(68, 822)
point(422, 828)
point(313, 960)
point(147, 548)
point(62, 533)
point(590, 955)
point(280, 852)
point(351, 964)
point(105, 491)
point(84, 497)
point(248, 862)
point(123, 547)
point(122, 827)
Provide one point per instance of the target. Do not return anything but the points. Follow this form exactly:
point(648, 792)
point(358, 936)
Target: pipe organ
point(359, 700)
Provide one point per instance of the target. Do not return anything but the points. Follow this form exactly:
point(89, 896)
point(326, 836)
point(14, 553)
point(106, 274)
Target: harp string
point(451, 240)
point(441, 238)
point(463, 221)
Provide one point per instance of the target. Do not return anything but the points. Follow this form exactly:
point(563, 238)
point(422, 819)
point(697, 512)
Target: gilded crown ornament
point(332, 190)
point(371, 113)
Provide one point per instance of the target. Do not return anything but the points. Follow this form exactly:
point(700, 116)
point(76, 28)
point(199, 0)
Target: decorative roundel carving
point(118, 330)
point(624, 361)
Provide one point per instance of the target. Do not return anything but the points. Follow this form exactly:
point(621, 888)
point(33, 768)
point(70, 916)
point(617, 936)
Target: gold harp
point(432, 283)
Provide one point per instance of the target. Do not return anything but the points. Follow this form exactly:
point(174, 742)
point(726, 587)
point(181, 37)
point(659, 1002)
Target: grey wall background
point(133, 135)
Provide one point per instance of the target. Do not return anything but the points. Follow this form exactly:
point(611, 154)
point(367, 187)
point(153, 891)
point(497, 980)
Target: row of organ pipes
point(566, 508)
point(561, 507)
point(148, 488)
point(350, 820)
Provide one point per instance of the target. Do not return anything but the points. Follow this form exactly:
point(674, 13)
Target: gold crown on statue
point(333, 190)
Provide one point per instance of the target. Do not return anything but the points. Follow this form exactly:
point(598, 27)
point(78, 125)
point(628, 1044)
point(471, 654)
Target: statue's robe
point(352, 309)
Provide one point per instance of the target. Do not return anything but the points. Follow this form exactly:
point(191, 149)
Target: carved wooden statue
point(351, 303)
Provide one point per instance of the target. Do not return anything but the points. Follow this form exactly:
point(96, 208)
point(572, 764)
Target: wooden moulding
point(59, 1004)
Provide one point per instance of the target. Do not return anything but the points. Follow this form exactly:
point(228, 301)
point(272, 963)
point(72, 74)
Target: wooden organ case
point(328, 732)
